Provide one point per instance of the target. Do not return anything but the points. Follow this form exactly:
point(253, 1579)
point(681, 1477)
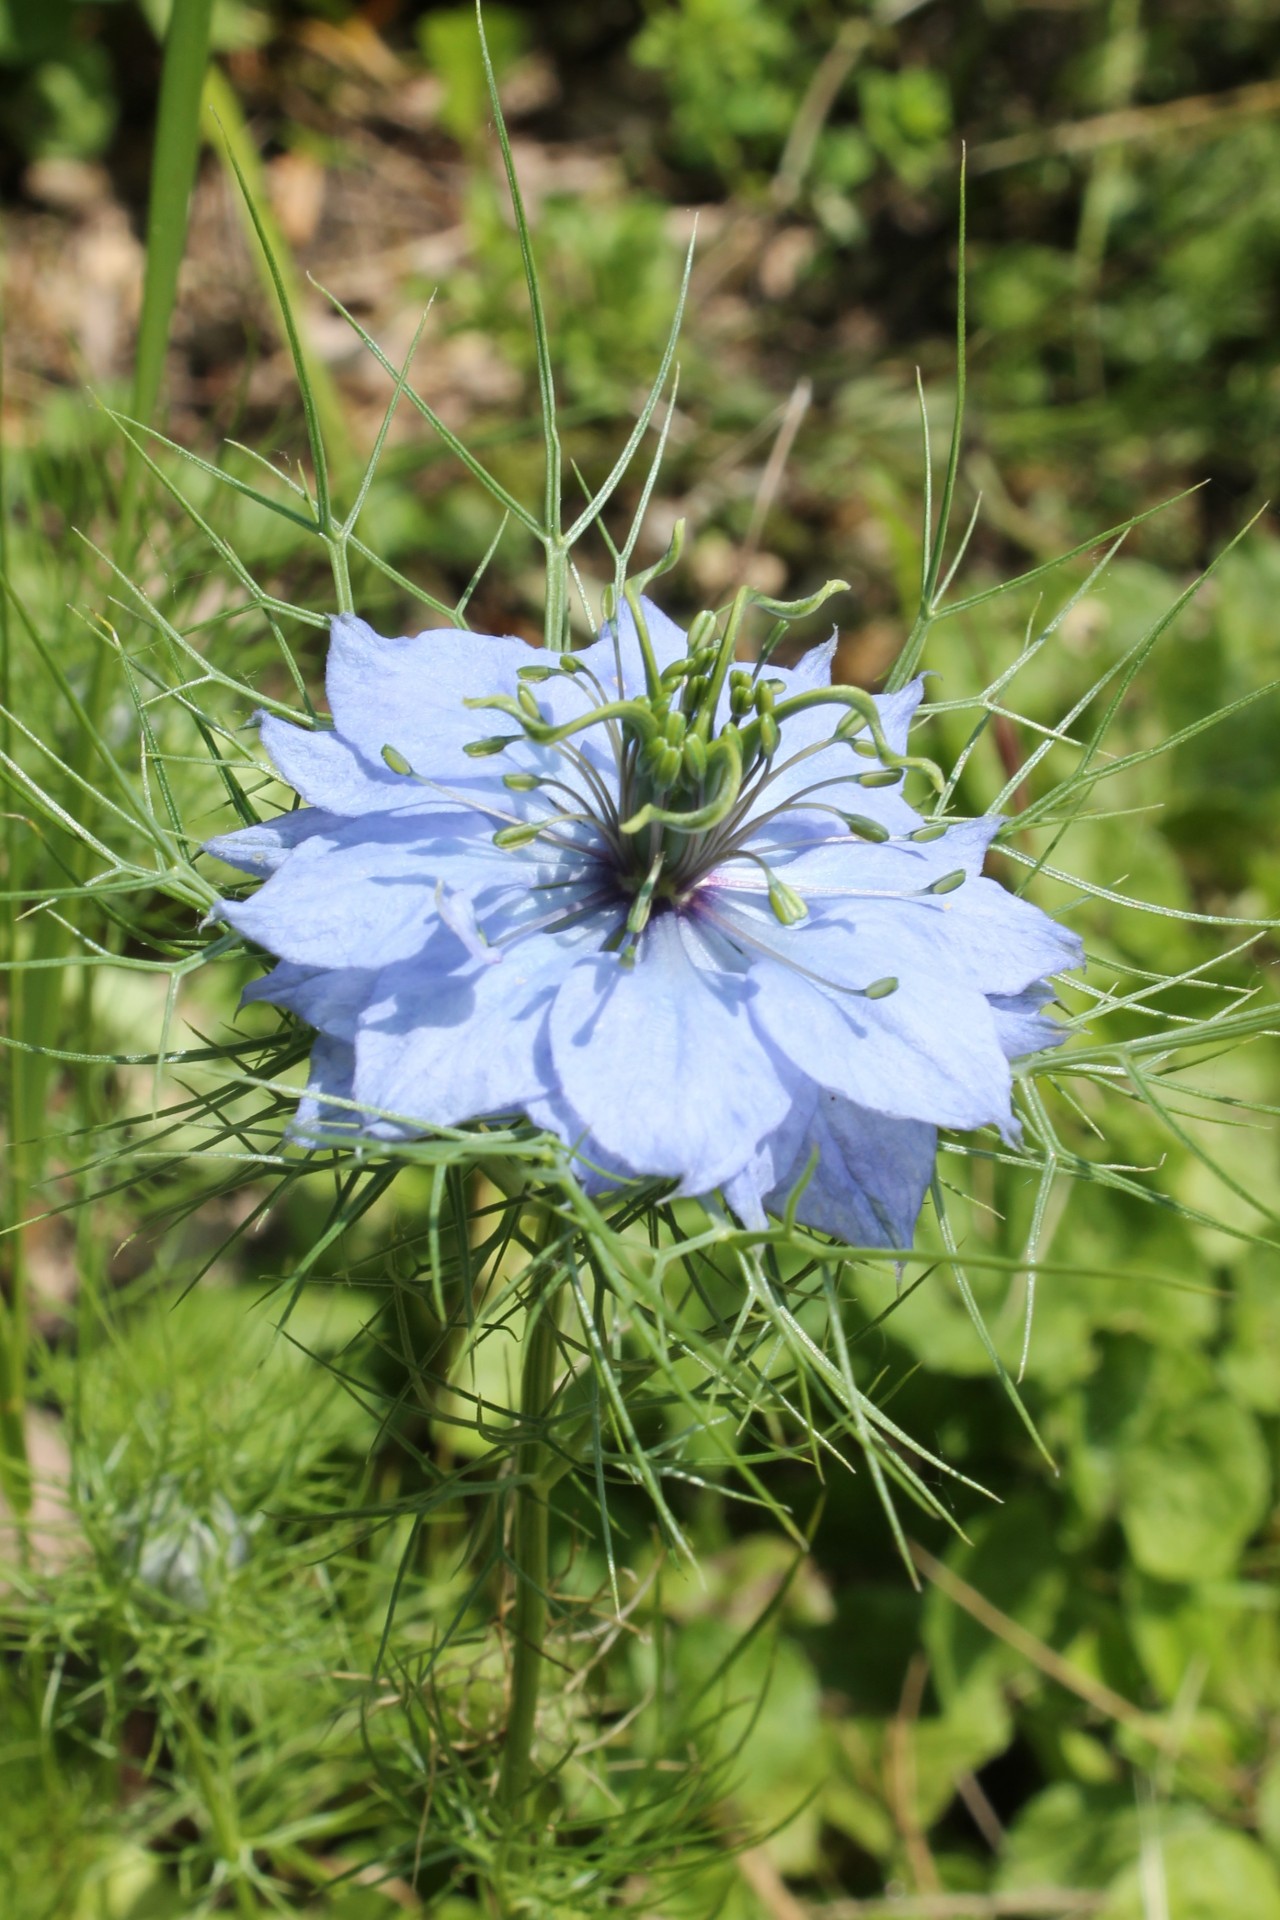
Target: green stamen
point(492, 743)
point(865, 829)
point(787, 905)
point(880, 989)
point(521, 835)
point(642, 905)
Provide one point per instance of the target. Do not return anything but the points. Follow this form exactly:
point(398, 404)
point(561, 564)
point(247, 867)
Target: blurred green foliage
point(1108, 1719)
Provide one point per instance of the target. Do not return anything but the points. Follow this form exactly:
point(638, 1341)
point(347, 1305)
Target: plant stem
point(15, 1478)
point(529, 1555)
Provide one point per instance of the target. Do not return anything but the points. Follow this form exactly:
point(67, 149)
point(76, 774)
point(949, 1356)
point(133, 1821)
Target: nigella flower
point(678, 913)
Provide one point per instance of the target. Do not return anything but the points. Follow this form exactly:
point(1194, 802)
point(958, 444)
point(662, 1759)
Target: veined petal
point(329, 772)
point(442, 1048)
point(267, 844)
point(809, 758)
point(408, 693)
point(748, 1191)
point(316, 1122)
point(987, 936)
point(833, 865)
point(365, 896)
point(327, 998)
point(871, 1176)
point(1021, 1025)
point(661, 1063)
point(928, 1051)
point(595, 1170)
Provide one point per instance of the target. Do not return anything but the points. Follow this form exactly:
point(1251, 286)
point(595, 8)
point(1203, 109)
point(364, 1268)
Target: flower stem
point(529, 1556)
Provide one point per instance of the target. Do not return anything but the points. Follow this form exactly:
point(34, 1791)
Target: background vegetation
point(1079, 1710)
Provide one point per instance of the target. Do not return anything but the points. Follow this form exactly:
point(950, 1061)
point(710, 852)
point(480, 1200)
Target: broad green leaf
point(1211, 1874)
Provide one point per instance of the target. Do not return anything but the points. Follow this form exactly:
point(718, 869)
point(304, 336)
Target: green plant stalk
point(529, 1557)
point(15, 1473)
point(173, 172)
point(225, 128)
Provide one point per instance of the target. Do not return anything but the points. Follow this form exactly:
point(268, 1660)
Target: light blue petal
point(264, 847)
point(364, 899)
point(1021, 1025)
point(835, 865)
point(329, 998)
point(746, 1192)
point(409, 693)
point(595, 1170)
point(813, 669)
point(660, 1062)
point(442, 1049)
point(365, 895)
point(897, 711)
point(928, 1051)
point(980, 934)
point(329, 772)
point(871, 1177)
point(315, 1121)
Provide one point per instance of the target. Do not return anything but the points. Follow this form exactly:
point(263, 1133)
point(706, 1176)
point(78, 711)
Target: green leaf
point(1013, 1560)
point(1197, 1484)
point(1209, 1874)
point(1249, 1364)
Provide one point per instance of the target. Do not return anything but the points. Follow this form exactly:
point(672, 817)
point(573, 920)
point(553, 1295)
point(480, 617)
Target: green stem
point(173, 172)
point(15, 1476)
point(556, 617)
point(529, 1555)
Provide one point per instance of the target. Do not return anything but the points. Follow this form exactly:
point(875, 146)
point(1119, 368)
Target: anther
point(865, 829)
point(949, 882)
point(491, 743)
point(880, 989)
point(519, 836)
point(396, 760)
point(642, 905)
point(787, 905)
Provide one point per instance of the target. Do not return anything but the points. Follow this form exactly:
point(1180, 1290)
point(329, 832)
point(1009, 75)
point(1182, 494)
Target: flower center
point(669, 784)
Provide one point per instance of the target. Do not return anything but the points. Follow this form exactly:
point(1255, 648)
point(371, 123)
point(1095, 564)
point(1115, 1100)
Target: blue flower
point(675, 912)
